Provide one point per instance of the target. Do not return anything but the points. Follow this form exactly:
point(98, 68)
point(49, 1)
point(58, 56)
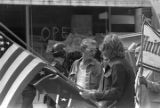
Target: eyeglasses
point(91, 49)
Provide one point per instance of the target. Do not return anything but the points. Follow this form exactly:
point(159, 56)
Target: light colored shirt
point(93, 72)
point(83, 77)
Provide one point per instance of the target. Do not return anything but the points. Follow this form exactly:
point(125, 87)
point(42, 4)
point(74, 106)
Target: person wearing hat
point(59, 58)
point(29, 92)
point(63, 59)
point(62, 62)
point(86, 71)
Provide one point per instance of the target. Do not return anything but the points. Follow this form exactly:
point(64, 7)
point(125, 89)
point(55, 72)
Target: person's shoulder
point(116, 62)
point(77, 61)
point(75, 53)
point(95, 62)
point(124, 66)
point(119, 64)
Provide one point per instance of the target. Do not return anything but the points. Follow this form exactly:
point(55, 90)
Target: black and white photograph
point(79, 53)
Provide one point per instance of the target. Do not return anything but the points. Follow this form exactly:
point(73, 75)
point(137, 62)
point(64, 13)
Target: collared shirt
point(83, 77)
point(93, 74)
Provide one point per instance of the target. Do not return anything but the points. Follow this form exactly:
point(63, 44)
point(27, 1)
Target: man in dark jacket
point(59, 58)
point(117, 84)
point(63, 59)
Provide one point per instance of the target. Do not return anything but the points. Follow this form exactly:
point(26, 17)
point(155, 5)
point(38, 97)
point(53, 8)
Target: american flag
point(17, 68)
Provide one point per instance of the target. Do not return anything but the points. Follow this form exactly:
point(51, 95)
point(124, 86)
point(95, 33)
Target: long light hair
point(113, 47)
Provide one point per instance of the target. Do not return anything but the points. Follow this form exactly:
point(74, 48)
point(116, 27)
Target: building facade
point(37, 21)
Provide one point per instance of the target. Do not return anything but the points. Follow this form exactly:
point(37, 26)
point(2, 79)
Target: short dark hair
point(58, 50)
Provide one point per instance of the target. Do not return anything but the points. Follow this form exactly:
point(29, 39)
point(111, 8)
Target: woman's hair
point(98, 55)
point(113, 46)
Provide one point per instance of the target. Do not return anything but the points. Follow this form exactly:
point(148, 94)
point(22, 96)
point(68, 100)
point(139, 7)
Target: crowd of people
point(103, 75)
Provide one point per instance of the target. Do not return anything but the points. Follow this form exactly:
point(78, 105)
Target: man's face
point(90, 52)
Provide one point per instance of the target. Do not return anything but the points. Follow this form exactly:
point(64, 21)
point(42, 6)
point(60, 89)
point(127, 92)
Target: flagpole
point(27, 8)
point(141, 56)
point(8, 30)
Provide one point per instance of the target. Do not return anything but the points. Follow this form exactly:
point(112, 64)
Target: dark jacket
point(70, 58)
point(117, 85)
point(62, 69)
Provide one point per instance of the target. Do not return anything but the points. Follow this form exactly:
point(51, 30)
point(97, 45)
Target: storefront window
point(13, 16)
point(49, 24)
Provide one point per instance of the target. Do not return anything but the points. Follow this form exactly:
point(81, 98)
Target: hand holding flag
point(149, 57)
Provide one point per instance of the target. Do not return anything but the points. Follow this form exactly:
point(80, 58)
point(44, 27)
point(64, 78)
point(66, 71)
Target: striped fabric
point(17, 68)
point(151, 47)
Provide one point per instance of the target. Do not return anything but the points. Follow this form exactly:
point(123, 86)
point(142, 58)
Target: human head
point(58, 50)
point(88, 47)
point(112, 47)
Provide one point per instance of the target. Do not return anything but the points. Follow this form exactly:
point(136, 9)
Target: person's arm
point(118, 85)
point(153, 86)
point(73, 71)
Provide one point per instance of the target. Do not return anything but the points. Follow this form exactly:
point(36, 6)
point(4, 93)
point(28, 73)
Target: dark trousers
point(49, 101)
point(28, 96)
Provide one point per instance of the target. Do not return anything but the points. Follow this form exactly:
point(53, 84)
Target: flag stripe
point(11, 69)
point(14, 76)
point(150, 28)
point(148, 66)
point(7, 54)
point(151, 35)
point(26, 73)
point(8, 58)
point(25, 83)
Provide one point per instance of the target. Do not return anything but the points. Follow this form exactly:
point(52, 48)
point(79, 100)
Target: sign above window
point(118, 3)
